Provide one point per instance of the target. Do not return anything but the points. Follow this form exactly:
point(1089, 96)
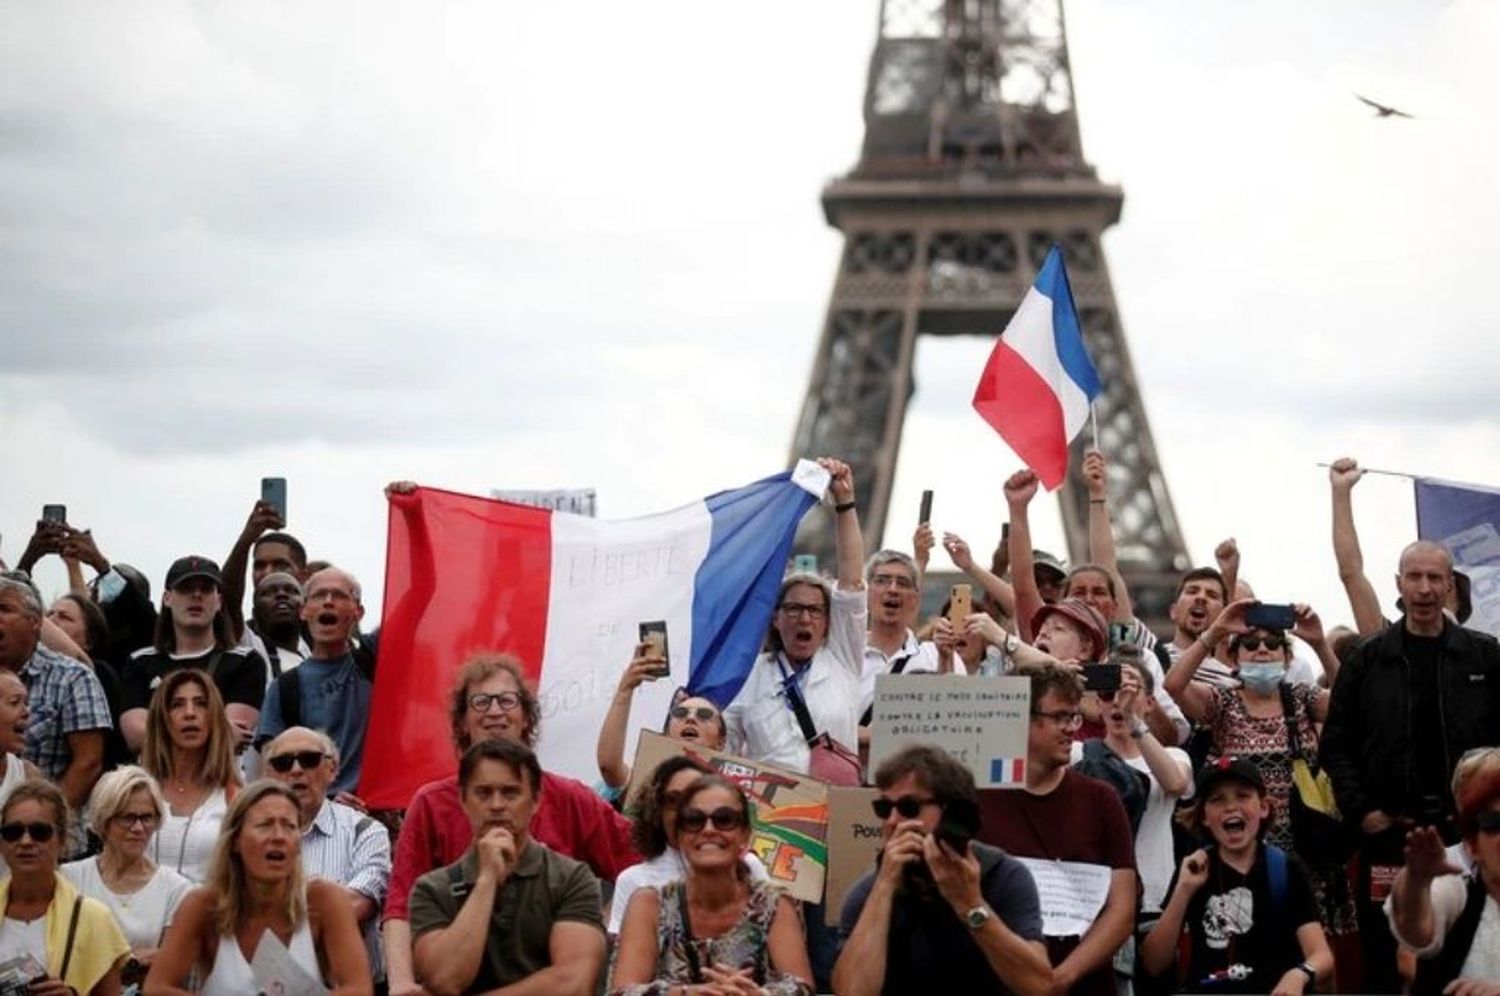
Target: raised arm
point(1194, 697)
point(1173, 774)
point(263, 518)
point(1227, 556)
point(1411, 895)
point(1102, 530)
point(1309, 629)
point(851, 543)
point(921, 550)
point(999, 590)
point(1343, 474)
point(1019, 490)
point(610, 751)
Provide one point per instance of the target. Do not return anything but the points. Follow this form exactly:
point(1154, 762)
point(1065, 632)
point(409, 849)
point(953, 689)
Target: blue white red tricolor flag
point(566, 594)
point(1008, 771)
point(1039, 383)
point(1466, 519)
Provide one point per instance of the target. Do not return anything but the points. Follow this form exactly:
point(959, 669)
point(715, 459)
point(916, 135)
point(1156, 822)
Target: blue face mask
point(1263, 677)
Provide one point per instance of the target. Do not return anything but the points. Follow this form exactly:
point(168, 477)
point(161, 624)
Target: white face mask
point(1262, 677)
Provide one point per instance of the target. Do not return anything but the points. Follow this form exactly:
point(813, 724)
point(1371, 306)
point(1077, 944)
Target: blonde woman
point(125, 809)
point(189, 750)
point(256, 889)
point(72, 939)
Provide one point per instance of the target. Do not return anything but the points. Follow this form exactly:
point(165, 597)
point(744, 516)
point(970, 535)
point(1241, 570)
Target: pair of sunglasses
point(701, 713)
point(1271, 641)
point(39, 832)
point(693, 820)
point(308, 759)
point(909, 806)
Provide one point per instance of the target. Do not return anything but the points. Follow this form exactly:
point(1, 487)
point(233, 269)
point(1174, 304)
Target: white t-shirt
point(761, 723)
point(922, 657)
point(24, 937)
point(665, 867)
point(1153, 841)
point(186, 843)
point(144, 914)
point(1448, 895)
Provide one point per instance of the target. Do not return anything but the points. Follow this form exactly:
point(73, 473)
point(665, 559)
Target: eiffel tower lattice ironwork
point(972, 167)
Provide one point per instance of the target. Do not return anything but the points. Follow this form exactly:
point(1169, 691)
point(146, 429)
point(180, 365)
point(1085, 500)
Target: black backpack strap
point(794, 698)
point(213, 664)
point(689, 943)
point(1289, 711)
point(289, 697)
point(62, 973)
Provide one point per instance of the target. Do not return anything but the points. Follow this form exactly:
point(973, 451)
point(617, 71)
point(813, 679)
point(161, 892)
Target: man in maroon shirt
point(1063, 816)
point(492, 702)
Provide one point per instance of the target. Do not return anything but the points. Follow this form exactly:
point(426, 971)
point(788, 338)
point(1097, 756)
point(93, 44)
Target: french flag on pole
point(1039, 383)
point(566, 594)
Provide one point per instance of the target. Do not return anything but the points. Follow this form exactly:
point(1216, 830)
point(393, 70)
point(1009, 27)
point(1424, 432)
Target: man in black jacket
point(1407, 705)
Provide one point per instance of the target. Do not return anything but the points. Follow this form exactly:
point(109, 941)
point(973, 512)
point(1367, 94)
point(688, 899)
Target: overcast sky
point(548, 245)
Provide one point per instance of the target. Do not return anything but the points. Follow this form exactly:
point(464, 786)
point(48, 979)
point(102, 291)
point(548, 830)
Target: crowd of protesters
point(1265, 803)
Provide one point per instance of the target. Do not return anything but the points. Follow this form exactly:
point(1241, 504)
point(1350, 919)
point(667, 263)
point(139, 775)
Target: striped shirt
point(351, 849)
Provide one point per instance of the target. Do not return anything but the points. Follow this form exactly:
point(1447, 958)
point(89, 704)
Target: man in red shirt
point(492, 702)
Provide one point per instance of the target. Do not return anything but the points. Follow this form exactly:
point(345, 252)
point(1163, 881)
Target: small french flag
point(1008, 771)
point(1039, 383)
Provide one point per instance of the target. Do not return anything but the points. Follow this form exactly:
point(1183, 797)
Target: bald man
point(328, 691)
point(1405, 707)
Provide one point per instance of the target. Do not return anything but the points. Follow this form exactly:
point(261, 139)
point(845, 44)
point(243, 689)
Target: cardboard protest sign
point(788, 811)
point(981, 721)
point(1071, 894)
point(854, 839)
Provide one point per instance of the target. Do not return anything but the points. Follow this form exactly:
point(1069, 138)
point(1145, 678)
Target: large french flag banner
point(566, 595)
point(1039, 382)
point(1466, 519)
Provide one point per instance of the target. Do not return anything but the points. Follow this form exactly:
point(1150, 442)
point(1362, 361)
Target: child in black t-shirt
point(1248, 908)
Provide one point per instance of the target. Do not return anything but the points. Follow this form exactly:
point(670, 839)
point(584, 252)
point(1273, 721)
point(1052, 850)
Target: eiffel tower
point(972, 168)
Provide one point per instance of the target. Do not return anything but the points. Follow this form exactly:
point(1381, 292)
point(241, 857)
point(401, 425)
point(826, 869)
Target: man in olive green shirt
point(511, 916)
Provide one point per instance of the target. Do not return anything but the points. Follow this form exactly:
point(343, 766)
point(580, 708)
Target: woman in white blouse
point(189, 750)
point(816, 650)
point(125, 809)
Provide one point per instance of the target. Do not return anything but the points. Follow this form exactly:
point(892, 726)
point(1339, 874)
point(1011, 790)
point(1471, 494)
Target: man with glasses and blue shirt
point(1060, 815)
point(340, 844)
point(933, 917)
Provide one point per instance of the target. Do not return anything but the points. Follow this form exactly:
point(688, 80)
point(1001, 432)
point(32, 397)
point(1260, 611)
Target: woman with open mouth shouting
point(189, 750)
point(691, 718)
point(256, 893)
point(806, 686)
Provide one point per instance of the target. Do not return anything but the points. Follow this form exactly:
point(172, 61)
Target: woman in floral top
point(716, 933)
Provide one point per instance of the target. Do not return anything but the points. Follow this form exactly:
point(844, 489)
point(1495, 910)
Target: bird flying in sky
point(1384, 110)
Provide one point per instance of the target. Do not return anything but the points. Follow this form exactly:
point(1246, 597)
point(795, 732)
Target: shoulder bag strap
point(72, 935)
point(1289, 711)
point(897, 667)
point(213, 664)
point(794, 698)
point(689, 943)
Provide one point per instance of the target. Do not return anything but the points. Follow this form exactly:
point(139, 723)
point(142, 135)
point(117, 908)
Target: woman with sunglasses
point(189, 750)
point(72, 940)
point(1253, 720)
point(256, 890)
point(654, 835)
point(715, 931)
point(125, 809)
point(689, 717)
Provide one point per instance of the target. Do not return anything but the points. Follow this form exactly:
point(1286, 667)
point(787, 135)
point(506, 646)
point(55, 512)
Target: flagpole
point(1094, 423)
point(1372, 470)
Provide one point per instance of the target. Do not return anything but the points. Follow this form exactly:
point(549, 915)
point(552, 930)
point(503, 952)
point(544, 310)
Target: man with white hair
point(339, 843)
point(329, 691)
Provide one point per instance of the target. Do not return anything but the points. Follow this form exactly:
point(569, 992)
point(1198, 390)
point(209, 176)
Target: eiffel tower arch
point(972, 167)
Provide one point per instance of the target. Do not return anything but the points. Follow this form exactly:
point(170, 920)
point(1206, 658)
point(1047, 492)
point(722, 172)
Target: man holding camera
point(939, 912)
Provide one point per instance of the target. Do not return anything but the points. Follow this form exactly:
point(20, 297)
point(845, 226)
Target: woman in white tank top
point(256, 896)
point(189, 750)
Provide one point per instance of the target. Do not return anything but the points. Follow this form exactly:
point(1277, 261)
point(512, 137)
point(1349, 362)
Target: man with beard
point(328, 691)
point(275, 625)
point(510, 912)
point(339, 843)
point(891, 647)
point(491, 702)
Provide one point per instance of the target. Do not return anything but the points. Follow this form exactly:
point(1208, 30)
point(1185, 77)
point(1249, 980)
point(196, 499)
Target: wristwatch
point(1312, 977)
point(978, 917)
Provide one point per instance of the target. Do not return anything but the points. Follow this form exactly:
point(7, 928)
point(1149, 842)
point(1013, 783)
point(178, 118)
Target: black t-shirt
point(1428, 764)
point(1233, 920)
point(928, 949)
point(239, 672)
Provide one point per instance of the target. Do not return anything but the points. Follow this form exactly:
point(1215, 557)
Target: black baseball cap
point(187, 568)
point(1225, 768)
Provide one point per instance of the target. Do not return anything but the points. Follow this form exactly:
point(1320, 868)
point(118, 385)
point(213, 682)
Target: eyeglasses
point(39, 832)
point(127, 820)
point(900, 581)
point(693, 820)
point(481, 701)
point(1488, 822)
point(308, 759)
point(795, 609)
point(1068, 719)
point(909, 806)
point(1271, 641)
point(337, 594)
point(701, 713)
